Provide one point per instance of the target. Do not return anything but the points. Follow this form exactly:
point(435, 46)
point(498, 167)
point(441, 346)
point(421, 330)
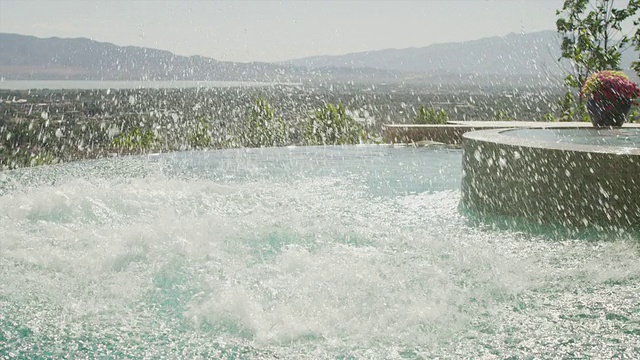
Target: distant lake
point(117, 84)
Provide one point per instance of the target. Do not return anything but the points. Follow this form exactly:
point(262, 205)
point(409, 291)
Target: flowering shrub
point(610, 86)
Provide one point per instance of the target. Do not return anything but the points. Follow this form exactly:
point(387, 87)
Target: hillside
point(27, 57)
point(515, 55)
point(517, 59)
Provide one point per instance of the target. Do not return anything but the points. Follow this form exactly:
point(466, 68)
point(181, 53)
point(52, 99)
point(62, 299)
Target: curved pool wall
point(576, 179)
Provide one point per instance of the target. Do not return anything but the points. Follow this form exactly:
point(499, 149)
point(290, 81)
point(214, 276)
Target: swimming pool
point(320, 252)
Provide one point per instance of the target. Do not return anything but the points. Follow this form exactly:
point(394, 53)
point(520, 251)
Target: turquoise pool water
point(618, 137)
point(319, 253)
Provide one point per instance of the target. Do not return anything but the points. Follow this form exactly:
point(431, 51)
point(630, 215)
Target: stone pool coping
point(502, 136)
point(451, 132)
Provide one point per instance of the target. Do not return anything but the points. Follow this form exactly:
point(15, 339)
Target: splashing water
point(326, 252)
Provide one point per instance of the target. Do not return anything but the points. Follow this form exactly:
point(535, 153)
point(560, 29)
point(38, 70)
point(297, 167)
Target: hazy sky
point(275, 30)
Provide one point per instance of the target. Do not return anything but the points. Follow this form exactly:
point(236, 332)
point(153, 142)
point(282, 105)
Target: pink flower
point(611, 86)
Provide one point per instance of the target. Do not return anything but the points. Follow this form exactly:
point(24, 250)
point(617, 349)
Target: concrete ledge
point(408, 134)
point(451, 133)
point(557, 183)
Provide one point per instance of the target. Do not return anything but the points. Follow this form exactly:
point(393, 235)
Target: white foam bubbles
point(267, 255)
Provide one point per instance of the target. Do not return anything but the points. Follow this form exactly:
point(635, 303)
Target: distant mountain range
point(516, 58)
point(515, 55)
point(31, 58)
point(527, 54)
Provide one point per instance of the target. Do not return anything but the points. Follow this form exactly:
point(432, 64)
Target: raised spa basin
point(573, 178)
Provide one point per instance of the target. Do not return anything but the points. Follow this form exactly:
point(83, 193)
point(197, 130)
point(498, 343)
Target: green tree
point(263, 127)
point(636, 36)
point(571, 109)
point(431, 116)
point(332, 126)
point(200, 137)
point(593, 40)
point(135, 140)
point(592, 36)
point(21, 144)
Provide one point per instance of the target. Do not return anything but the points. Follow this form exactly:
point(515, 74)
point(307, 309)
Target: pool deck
point(451, 132)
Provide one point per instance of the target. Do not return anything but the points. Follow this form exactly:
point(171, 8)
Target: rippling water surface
point(618, 137)
point(355, 252)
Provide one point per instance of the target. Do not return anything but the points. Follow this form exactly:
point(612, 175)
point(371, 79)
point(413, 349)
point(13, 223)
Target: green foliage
point(22, 144)
point(571, 109)
point(21, 134)
point(199, 137)
point(24, 157)
point(503, 115)
point(263, 127)
point(634, 115)
point(135, 140)
point(634, 5)
point(431, 116)
point(332, 126)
